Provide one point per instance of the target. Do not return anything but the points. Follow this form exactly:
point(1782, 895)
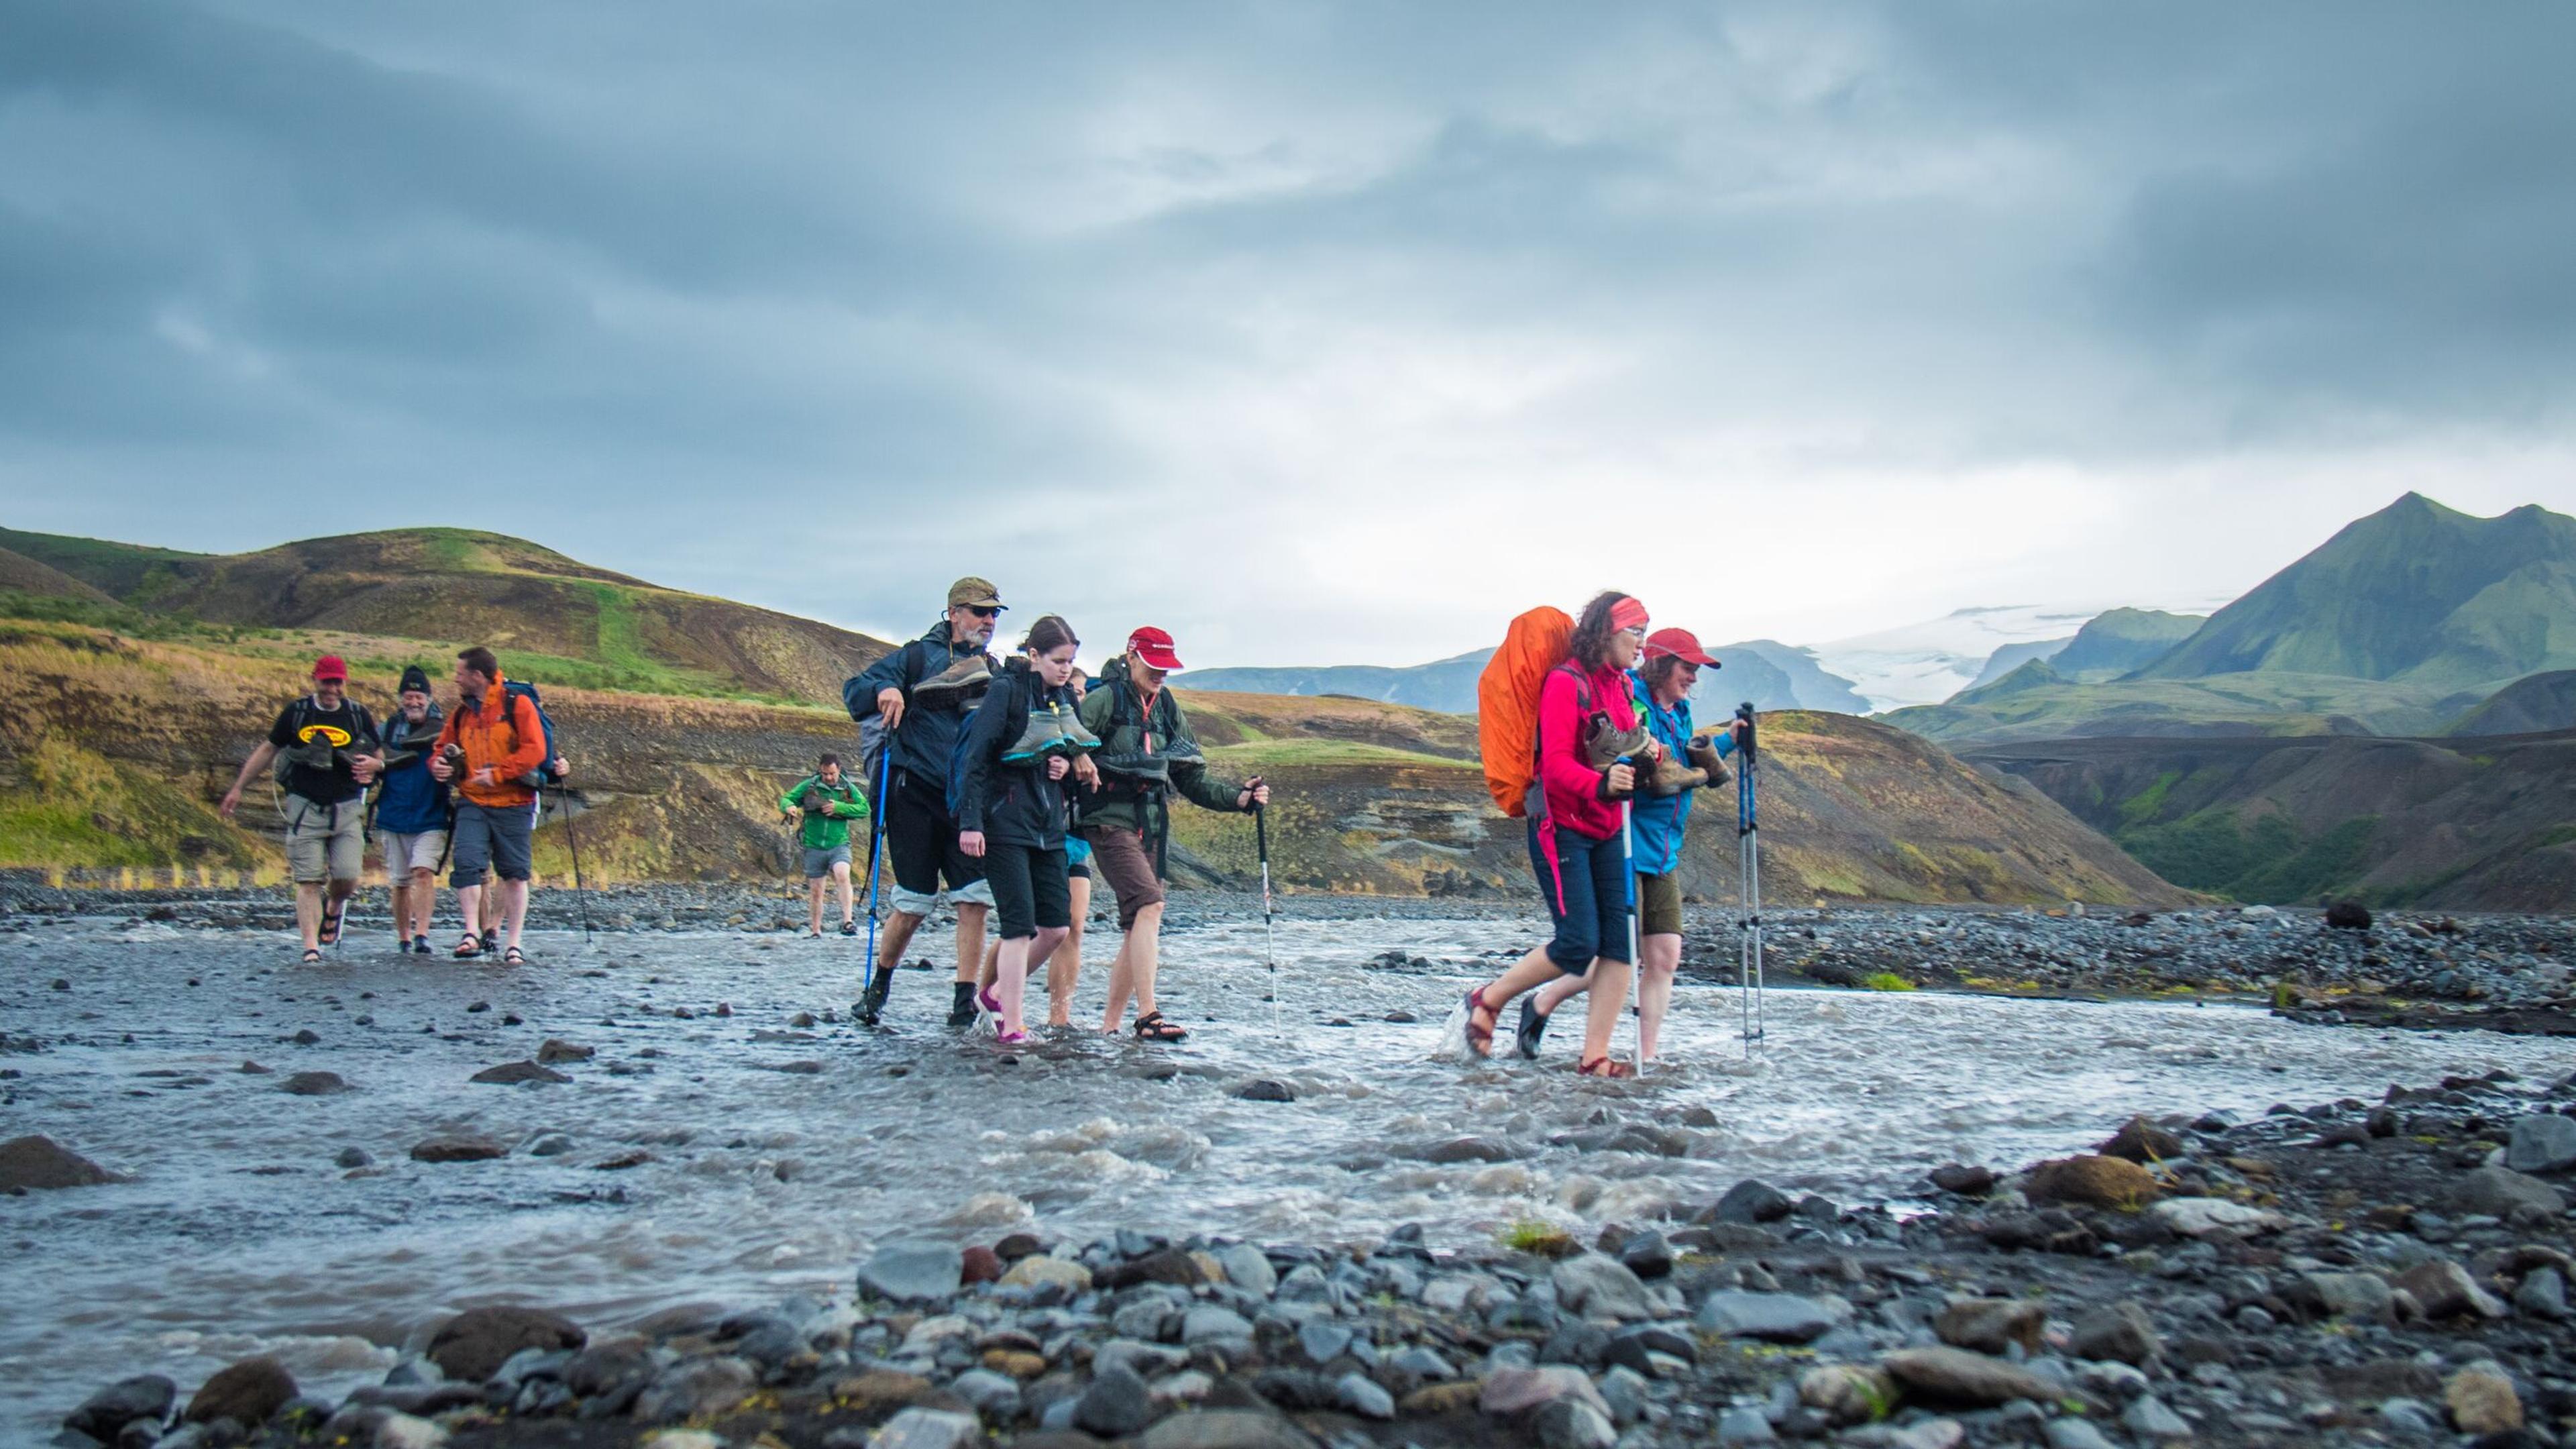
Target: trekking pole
point(580, 893)
point(876, 839)
point(1628, 873)
point(1748, 860)
point(1269, 937)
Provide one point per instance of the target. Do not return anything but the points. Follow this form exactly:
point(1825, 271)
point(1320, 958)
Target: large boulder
point(2482, 1400)
point(246, 1393)
point(697, 1386)
point(2201, 1217)
point(105, 1414)
point(1596, 1285)
point(2140, 1140)
point(1990, 1325)
point(1037, 1269)
point(40, 1162)
point(921, 1273)
point(1512, 1392)
point(2091, 1180)
point(511, 1074)
point(2497, 1191)
point(1773, 1317)
point(1956, 1376)
point(472, 1346)
point(2444, 1289)
point(458, 1147)
point(1750, 1201)
point(2542, 1142)
point(2118, 1333)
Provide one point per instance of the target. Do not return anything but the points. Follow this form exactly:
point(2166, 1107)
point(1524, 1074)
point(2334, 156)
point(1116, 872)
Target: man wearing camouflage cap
point(921, 692)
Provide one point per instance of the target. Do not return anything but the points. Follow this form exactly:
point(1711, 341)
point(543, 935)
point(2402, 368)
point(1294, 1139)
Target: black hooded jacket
point(1013, 804)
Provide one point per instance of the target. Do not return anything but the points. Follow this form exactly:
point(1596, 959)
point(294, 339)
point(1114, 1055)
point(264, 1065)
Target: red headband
point(1627, 614)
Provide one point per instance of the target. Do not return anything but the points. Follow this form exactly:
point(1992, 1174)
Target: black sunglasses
point(983, 611)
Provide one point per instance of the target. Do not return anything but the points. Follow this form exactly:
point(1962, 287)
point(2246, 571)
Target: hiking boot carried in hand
point(1703, 754)
point(955, 687)
point(1665, 775)
point(1608, 747)
point(1054, 730)
point(961, 1011)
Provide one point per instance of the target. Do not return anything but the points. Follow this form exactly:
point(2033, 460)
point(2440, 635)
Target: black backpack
point(299, 714)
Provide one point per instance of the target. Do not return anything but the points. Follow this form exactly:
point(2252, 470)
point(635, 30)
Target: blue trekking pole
point(1748, 858)
point(876, 839)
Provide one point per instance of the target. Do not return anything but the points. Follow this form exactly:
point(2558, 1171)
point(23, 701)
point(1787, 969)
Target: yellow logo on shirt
point(332, 735)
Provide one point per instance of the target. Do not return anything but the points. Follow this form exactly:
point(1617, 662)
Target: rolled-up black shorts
point(1030, 892)
point(921, 849)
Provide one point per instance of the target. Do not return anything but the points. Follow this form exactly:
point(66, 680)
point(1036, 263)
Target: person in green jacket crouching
point(827, 802)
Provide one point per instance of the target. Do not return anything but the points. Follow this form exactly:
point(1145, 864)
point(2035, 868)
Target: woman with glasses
point(1575, 844)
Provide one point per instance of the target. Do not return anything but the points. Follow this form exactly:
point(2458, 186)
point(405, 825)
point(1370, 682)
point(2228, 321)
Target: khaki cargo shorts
point(325, 842)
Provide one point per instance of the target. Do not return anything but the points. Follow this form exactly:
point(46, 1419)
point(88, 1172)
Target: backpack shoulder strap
point(1582, 685)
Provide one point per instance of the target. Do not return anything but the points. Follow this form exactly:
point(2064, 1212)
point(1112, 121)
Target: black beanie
point(415, 677)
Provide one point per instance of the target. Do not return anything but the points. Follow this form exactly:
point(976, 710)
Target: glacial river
point(778, 1156)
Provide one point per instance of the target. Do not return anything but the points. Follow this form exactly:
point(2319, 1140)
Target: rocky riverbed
point(663, 1132)
point(2351, 1273)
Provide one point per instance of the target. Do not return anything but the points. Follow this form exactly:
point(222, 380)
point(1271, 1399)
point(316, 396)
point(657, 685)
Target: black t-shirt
point(304, 726)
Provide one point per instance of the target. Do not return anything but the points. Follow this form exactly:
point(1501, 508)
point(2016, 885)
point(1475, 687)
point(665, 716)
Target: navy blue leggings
point(1586, 891)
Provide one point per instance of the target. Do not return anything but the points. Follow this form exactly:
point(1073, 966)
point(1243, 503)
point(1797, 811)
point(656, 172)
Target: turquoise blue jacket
point(1658, 819)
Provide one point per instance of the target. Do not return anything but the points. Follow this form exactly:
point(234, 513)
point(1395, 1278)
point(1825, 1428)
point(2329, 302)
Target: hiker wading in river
point(331, 752)
point(1671, 665)
point(1575, 849)
point(823, 804)
point(1025, 741)
point(489, 750)
point(921, 692)
point(411, 811)
point(1146, 753)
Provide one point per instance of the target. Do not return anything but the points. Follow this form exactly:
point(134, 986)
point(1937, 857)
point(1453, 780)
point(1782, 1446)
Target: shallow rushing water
point(239, 1234)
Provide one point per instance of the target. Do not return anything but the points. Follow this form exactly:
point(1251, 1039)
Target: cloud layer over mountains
point(1313, 332)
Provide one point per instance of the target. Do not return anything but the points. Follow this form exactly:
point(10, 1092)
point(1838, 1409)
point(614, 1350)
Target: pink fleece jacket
point(1572, 786)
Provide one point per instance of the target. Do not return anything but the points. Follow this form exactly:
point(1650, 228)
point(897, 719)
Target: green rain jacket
point(842, 804)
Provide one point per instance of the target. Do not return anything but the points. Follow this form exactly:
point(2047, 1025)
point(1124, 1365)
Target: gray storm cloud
point(1297, 327)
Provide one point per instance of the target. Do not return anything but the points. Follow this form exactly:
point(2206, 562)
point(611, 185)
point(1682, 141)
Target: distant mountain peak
point(2416, 592)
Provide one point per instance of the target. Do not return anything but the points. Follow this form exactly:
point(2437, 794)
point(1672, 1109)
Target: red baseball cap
point(1154, 646)
point(331, 666)
point(1679, 644)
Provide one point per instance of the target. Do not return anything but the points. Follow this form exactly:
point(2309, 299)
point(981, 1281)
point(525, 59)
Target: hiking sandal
point(329, 935)
point(1607, 1067)
point(312, 957)
point(470, 947)
point(1152, 1027)
point(514, 957)
point(1480, 1038)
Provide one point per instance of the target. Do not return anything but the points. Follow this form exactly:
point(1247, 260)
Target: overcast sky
point(1315, 333)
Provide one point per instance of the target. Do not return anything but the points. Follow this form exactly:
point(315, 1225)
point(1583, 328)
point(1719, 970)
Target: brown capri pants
point(1659, 905)
point(1126, 860)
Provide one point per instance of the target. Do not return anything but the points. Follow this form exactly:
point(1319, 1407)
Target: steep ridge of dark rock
point(2465, 823)
point(2531, 705)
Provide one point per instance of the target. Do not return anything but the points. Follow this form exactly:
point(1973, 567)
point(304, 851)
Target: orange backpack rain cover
point(1507, 702)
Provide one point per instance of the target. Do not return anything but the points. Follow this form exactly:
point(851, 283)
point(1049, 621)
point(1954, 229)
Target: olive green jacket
point(1138, 758)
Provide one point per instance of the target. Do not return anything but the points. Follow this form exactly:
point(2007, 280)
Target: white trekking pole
point(1748, 856)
